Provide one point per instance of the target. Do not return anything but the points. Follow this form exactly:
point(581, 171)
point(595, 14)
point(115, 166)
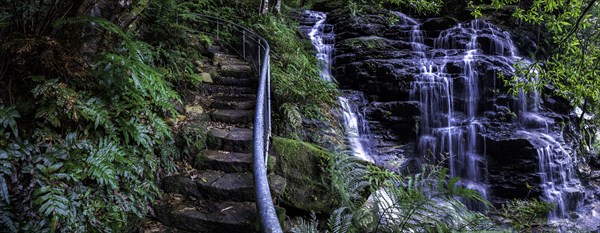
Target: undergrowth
point(83, 103)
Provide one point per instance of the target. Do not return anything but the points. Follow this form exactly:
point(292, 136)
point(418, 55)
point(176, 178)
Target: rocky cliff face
point(434, 89)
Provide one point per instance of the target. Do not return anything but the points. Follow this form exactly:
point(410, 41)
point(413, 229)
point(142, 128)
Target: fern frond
point(7, 118)
point(6, 222)
point(310, 226)
point(4, 195)
point(339, 222)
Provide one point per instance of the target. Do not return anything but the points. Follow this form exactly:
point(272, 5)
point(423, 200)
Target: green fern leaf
point(7, 118)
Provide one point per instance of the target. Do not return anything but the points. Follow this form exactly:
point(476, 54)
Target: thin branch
point(574, 28)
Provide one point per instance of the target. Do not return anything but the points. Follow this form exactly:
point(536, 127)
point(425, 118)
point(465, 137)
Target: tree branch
point(574, 28)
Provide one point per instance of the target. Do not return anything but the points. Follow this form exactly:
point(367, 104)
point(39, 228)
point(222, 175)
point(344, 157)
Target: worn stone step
point(231, 60)
point(234, 140)
point(233, 97)
point(236, 70)
point(233, 105)
point(227, 161)
point(232, 81)
point(219, 185)
point(206, 216)
point(232, 116)
point(153, 226)
point(219, 55)
point(224, 161)
point(221, 89)
point(217, 49)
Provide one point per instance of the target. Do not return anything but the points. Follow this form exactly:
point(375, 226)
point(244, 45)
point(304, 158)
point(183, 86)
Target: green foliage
point(423, 202)
point(526, 215)
point(298, 91)
point(570, 66)
point(418, 6)
point(169, 26)
point(82, 110)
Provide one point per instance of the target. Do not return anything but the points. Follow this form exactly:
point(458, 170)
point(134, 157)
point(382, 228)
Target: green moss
point(304, 165)
point(194, 137)
point(200, 159)
point(367, 42)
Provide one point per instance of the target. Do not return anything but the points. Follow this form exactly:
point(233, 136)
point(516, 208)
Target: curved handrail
point(255, 49)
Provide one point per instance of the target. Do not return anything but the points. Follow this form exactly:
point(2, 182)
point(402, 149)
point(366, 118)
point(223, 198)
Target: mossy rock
point(193, 138)
point(367, 42)
point(304, 167)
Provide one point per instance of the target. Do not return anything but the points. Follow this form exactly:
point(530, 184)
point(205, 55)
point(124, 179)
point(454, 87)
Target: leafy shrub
point(526, 215)
point(298, 91)
point(81, 114)
point(423, 202)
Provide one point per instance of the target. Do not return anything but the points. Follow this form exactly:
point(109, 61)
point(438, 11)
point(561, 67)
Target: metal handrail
point(255, 50)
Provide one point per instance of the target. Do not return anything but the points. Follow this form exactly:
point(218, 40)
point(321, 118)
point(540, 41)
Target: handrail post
point(258, 54)
point(244, 44)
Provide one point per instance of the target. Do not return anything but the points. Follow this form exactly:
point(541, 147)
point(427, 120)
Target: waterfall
point(451, 122)
point(461, 108)
point(323, 39)
point(449, 125)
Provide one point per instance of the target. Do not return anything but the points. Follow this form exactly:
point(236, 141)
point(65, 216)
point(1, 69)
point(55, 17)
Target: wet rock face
point(512, 167)
point(381, 54)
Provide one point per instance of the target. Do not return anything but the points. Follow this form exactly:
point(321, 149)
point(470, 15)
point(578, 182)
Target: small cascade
point(449, 124)
point(323, 39)
point(558, 180)
point(355, 125)
point(556, 167)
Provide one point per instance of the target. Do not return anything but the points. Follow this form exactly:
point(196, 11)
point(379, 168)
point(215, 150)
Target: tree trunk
point(278, 6)
point(264, 7)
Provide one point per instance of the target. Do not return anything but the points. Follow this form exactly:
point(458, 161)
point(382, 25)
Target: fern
point(310, 226)
point(339, 222)
point(8, 117)
point(349, 178)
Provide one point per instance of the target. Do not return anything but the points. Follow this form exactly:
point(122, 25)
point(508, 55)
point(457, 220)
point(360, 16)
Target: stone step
point(232, 81)
point(221, 89)
point(234, 140)
point(219, 185)
point(227, 161)
point(236, 70)
point(217, 49)
point(228, 60)
point(224, 161)
point(233, 105)
point(157, 227)
point(232, 116)
point(234, 97)
point(234, 186)
point(219, 56)
point(206, 216)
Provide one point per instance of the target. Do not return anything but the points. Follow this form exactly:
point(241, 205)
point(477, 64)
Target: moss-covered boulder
point(303, 165)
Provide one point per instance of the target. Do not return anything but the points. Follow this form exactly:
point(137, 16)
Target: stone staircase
point(216, 194)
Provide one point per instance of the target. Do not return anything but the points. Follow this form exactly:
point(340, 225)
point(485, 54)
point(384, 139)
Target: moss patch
point(367, 42)
point(304, 166)
point(193, 138)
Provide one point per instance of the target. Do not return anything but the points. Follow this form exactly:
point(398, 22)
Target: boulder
point(303, 165)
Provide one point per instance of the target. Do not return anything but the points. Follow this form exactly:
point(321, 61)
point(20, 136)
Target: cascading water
point(451, 122)
point(449, 125)
point(462, 108)
point(323, 39)
point(557, 173)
